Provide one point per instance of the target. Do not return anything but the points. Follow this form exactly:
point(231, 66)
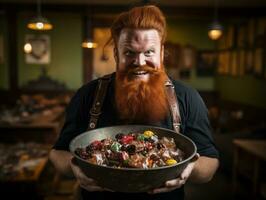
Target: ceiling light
point(88, 31)
point(88, 43)
point(39, 23)
point(215, 30)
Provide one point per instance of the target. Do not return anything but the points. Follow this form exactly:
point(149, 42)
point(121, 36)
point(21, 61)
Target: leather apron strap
point(101, 90)
point(95, 110)
point(173, 105)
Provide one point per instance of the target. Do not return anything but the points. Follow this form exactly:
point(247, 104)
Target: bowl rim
point(133, 169)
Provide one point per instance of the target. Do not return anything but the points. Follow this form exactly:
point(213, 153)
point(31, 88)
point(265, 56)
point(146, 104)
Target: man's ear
point(115, 54)
point(162, 53)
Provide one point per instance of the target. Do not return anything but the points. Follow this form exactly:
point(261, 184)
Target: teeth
point(140, 72)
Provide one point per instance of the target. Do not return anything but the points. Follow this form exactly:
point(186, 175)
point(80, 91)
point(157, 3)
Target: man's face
point(139, 47)
point(140, 77)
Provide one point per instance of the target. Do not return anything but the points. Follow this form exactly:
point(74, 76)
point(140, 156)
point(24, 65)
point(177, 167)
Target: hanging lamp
point(39, 22)
point(88, 41)
point(215, 30)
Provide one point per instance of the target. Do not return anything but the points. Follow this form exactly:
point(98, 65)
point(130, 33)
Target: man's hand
point(178, 182)
point(84, 181)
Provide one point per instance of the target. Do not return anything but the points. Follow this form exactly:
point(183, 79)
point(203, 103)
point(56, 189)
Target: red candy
point(126, 139)
point(96, 145)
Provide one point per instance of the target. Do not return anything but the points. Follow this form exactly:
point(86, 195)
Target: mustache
point(133, 69)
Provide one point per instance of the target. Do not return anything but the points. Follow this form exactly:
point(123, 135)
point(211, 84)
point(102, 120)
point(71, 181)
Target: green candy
point(116, 147)
point(141, 137)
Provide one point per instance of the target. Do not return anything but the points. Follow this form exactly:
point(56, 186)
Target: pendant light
point(39, 22)
point(88, 31)
point(215, 29)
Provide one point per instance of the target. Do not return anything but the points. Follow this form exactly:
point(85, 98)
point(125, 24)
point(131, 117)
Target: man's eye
point(149, 53)
point(129, 53)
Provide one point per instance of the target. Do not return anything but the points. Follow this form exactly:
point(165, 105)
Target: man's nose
point(140, 60)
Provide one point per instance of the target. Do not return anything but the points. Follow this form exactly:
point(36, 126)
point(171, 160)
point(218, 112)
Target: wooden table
point(41, 127)
point(27, 173)
point(256, 149)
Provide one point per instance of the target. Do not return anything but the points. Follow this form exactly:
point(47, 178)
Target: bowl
point(131, 180)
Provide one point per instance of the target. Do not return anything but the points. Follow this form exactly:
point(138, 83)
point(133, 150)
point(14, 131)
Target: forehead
point(136, 36)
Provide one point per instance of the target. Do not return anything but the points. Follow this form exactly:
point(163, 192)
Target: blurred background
point(50, 48)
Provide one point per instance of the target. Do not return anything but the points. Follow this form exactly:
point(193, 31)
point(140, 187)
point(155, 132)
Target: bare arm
point(204, 169)
point(61, 160)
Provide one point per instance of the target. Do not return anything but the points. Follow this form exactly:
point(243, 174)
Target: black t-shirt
point(194, 124)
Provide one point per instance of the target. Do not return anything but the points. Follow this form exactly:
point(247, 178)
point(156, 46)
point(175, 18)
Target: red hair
point(143, 17)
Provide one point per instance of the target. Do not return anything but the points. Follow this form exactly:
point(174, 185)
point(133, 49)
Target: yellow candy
point(171, 162)
point(148, 133)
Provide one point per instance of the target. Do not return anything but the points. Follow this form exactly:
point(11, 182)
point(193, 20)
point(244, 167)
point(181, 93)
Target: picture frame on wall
point(207, 61)
point(103, 58)
point(172, 55)
point(40, 53)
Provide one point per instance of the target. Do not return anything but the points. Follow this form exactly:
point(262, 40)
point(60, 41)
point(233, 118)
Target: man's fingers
point(170, 185)
point(84, 181)
point(161, 190)
point(175, 183)
point(187, 171)
point(178, 182)
point(106, 189)
point(79, 173)
point(92, 188)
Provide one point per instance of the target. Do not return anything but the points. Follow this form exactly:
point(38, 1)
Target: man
point(136, 95)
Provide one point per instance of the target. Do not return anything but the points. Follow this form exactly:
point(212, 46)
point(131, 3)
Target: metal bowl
point(132, 180)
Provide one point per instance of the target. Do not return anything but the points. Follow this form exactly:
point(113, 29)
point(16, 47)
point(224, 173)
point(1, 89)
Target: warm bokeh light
point(40, 23)
point(27, 48)
point(215, 31)
point(215, 34)
point(89, 44)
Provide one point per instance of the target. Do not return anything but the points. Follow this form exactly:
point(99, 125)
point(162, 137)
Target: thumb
point(195, 158)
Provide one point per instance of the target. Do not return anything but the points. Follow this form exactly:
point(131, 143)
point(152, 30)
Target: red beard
point(139, 101)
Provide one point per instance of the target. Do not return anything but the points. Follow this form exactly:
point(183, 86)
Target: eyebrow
point(128, 44)
point(129, 40)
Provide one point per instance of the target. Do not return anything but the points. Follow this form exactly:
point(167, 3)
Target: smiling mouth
point(139, 73)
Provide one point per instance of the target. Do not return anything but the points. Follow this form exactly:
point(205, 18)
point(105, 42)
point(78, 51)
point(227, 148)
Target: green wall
point(189, 31)
point(247, 90)
point(192, 31)
point(66, 52)
point(4, 79)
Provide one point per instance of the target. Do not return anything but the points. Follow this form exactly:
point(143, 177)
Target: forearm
point(61, 160)
point(204, 169)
